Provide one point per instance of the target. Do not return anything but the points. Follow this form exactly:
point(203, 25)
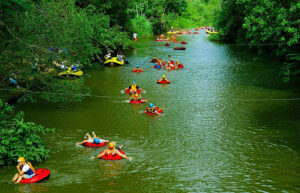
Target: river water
point(226, 127)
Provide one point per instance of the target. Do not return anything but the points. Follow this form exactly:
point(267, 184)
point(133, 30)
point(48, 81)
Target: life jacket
point(151, 110)
point(31, 170)
point(133, 88)
point(108, 152)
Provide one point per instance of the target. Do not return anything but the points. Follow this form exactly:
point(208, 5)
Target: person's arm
point(84, 141)
point(100, 155)
point(122, 155)
point(19, 170)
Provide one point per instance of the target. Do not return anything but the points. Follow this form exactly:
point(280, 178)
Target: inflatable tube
point(183, 42)
point(197, 29)
point(167, 44)
point(159, 40)
point(137, 71)
point(189, 32)
point(180, 66)
point(175, 41)
point(94, 144)
point(157, 109)
point(180, 48)
point(69, 72)
point(114, 61)
point(210, 32)
point(163, 82)
point(196, 32)
point(40, 174)
point(137, 102)
point(156, 67)
point(153, 60)
point(128, 91)
point(112, 157)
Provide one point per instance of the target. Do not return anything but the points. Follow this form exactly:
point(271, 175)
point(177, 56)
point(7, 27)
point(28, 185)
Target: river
point(226, 126)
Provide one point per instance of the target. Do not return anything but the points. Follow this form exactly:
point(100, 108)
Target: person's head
point(133, 82)
point(21, 160)
point(96, 140)
point(164, 76)
point(111, 145)
point(151, 105)
point(137, 66)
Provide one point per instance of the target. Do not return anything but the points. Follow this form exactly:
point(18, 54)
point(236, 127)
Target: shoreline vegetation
point(39, 37)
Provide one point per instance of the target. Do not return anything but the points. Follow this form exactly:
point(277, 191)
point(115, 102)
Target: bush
point(141, 26)
point(19, 138)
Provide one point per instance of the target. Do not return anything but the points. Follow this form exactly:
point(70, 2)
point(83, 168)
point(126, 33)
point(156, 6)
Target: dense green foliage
point(271, 25)
point(141, 26)
point(29, 28)
point(19, 138)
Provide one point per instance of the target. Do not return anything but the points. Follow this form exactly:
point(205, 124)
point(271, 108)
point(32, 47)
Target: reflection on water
point(217, 132)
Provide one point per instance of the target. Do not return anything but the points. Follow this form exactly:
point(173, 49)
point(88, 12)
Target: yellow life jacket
point(31, 167)
point(133, 88)
point(111, 151)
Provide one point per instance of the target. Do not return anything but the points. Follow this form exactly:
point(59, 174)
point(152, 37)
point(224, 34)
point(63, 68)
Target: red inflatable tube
point(196, 32)
point(136, 102)
point(112, 157)
point(94, 144)
point(164, 63)
point(157, 109)
point(163, 82)
point(179, 48)
point(189, 32)
point(128, 91)
point(159, 40)
point(183, 43)
point(40, 174)
point(137, 71)
point(180, 66)
point(167, 44)
point(153, 60)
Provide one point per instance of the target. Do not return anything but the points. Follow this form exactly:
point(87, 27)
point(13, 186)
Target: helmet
point(151, 105)
point(96, 140)
point(111, 145)
point(133, 82)
point(21, 160)
point(164, 76)
point(137, 66)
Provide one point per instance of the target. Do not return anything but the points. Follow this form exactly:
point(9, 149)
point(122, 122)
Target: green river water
point(224, 127)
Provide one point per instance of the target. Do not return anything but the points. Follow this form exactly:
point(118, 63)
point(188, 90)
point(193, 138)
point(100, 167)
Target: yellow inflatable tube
point(214, 32)
point(69, 72)
point(114, 61)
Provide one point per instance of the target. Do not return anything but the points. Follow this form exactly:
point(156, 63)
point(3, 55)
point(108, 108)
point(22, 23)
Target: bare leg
point(94, 135)
point(15, 178)
point(20, 178)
